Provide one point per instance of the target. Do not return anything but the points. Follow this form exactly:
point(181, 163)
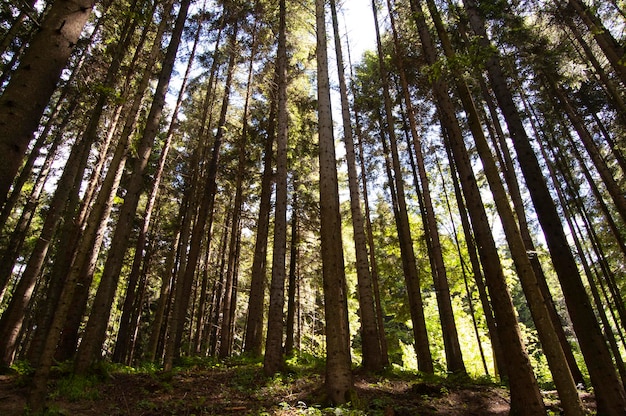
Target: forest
point(226, 181)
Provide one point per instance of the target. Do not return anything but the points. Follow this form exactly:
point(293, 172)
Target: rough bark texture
point(273, 361)
point(339, 383)
point(23, 101)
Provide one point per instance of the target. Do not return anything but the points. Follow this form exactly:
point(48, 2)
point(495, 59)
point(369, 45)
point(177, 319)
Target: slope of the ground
point(242, 389)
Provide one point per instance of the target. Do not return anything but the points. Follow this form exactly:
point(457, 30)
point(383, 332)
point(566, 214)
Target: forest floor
point(240, 388)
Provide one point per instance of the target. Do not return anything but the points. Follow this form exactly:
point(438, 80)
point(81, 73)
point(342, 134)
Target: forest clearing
point(422, 200)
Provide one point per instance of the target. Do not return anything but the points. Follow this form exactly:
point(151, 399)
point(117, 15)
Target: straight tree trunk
point(609, 181)
point(254, 324)
point(273, 360)
point(500, 366)
point(231, 273)
point(454, 357)
point(201, 228)
point(293, 275)
point(525, 270)
point(372, 357)
point(370, 237)
point(67, 187)
point(122, 344)
point(525, 395)
point(422, 348)
point(339, 382)
point(95, 331)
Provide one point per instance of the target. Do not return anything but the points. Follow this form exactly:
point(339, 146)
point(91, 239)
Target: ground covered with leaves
point(238, 387)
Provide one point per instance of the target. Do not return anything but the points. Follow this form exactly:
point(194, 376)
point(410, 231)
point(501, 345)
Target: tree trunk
point(372, 358)
point(25, 98)
point(409, 262)
point(201, 228)
point(273, 361)
point(525, 270)
point(123, 341)
point(95, 330)
point(454, 357)
point(339, 383)
point(254, 324)
point(525, 394)
point(293, 275)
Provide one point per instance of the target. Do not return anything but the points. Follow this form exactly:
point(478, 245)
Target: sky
point(359, 21)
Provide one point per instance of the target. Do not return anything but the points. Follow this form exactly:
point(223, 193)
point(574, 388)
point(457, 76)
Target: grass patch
point(77, 388)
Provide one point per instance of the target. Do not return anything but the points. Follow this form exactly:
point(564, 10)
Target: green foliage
point(302, 362)
point(22, 368)
point(76, 388)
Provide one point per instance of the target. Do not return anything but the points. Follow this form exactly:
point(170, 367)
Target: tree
point(370, 333)
point(273, 360)
point(25, 98)
point(339, 384)
point(454, 358)
point(95, 330)
point(204, 216)
point(409, 262)
point(525, 394)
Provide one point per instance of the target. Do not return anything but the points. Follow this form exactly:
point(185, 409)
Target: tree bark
point(273, 361)
point(25, 98)
point(339, 383)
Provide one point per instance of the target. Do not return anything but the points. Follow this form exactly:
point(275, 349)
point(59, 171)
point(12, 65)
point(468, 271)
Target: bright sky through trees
point(359, 22)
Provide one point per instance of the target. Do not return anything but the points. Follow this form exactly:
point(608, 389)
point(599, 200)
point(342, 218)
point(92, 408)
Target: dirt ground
point(245, 391)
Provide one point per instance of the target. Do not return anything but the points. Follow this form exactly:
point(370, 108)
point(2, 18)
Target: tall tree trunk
point(254, 323)
point(372, 358)
point(610, 182)
point(273, 361)
point(164, 295)
point(23, 101)
point(370, 238)
point(525, 270)
point(67, 188)
point(530, 247)
point(293, 272)
point(454, 358)
point(95, 330)
point(409, 262)
point(500, 366)
point(122, 344)
point(339, 383)
point(227, 330)
point(465, 272)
